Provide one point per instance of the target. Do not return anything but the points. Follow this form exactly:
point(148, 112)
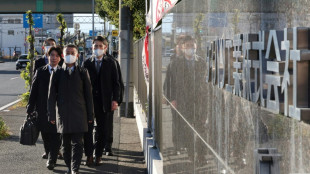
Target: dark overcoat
point(38, 99)
point(70, 100)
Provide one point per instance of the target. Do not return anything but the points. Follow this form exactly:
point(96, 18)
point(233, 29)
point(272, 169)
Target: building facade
point(12, 35)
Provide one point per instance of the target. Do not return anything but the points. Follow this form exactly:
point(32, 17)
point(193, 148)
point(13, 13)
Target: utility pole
point(104, 28)
point(125, 50)
point(93, 12)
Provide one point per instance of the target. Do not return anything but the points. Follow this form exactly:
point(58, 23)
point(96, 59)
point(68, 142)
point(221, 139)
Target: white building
point(12, 34)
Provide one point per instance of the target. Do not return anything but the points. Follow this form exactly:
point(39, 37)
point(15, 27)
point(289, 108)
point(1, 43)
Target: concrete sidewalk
point(15, 158)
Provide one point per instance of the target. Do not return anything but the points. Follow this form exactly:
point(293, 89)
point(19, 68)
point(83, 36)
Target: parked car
point(22, 61)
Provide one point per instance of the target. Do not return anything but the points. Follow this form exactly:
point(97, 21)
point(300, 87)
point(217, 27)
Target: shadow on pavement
point(9, 72)
point(9, 94)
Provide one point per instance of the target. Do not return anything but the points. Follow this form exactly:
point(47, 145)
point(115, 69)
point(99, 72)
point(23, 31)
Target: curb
point(10, 104)
point(152, 155)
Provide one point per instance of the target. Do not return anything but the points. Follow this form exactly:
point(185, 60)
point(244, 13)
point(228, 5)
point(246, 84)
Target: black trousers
point(73, 146)
point(51, 142)
point(104, 132)
point(89, 140)
point(46, 143)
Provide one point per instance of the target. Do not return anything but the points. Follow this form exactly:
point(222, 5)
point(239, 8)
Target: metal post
point(104, 28)
point(25, 42)
point(128, 67)
point(93, 11)
point(153, 120)
point(42, 39)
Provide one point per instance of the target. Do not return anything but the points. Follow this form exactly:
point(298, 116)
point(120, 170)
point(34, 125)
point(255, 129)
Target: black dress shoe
point(50, 165)
point(109, 153)
point(68, 171)
point(97, 161)
point(44, 156)
point(75, 172)
point(60, 156)
point(89, 161)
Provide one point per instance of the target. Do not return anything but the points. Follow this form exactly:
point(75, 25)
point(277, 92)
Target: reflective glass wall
point(235, 87)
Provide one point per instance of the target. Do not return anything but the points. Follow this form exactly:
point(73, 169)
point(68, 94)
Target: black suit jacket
point(109, 80)
point(70, 101)
point(38, 99)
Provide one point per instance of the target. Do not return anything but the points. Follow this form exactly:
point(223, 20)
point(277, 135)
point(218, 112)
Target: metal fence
point(138, 76)
point(140, 84)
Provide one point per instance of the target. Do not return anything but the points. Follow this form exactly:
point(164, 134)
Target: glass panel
point(225, 72)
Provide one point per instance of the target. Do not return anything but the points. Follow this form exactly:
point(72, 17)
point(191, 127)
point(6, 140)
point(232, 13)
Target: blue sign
point(37, 19)
point(91, 33)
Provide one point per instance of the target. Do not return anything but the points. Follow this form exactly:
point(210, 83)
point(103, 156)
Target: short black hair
point(49, 39)
point(72, 46)
point(189, 39)
point(101, 39)
point(57, 49)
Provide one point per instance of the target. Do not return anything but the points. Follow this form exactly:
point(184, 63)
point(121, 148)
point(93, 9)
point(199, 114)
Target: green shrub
point(25, 97)
point(4, 131)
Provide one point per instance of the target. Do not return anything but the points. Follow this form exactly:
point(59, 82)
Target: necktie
point(70, 71)
point(52, 70)
point(98, 65)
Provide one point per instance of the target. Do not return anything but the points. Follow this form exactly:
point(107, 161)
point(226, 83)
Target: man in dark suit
point(70, 92)
point(38, 102)
point(48, 43)
point(106, 95)
point(184, 90)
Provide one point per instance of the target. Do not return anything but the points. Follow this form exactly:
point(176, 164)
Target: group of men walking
point(69, 99)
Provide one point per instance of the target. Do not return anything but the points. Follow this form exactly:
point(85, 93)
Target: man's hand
point(53, 122)
point(114, 105)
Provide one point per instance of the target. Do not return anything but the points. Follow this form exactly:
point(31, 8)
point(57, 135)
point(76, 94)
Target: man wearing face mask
point(104, 77)
point(183, 90)
point(70, 93)
point(169, 89)
point(48, 43)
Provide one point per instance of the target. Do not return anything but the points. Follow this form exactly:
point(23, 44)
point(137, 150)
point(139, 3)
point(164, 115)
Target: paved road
point(11, 84)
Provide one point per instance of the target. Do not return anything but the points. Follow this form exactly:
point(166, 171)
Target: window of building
point(18, 21)
point(10, 21)
point(10, 32)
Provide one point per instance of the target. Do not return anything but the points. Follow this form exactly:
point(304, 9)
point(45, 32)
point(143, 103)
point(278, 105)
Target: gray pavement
point(16, 159)
point(11, 84)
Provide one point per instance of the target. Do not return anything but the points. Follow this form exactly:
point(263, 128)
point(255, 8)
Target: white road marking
point(14, 78)
point(10, 104)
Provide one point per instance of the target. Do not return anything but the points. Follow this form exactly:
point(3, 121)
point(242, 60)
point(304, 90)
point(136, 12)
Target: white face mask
point(46, 48)
point(190, 52)
point(98, 52)
point(70, 59)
